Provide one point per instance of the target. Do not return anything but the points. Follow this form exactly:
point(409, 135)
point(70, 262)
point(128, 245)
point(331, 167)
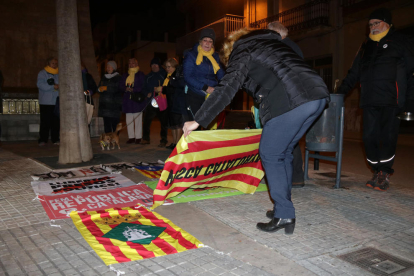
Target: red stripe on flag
point(170, 230)
point(106, 242)
point(205, 163)
point(207, 145)
point(218, 144)
point(151, 174)
point(164, 246)
point(141, 250)
point(246, 179)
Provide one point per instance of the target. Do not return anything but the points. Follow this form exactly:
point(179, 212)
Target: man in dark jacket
point(384, 66)
point(152, 80)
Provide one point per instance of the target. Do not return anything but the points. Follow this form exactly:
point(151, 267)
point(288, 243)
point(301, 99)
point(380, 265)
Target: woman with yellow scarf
point(202, 71)
point(48, 84)
point(173, 87)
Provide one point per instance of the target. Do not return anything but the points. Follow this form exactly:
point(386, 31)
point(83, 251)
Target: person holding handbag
point(89, 87)
point(152, 88)
point(110, 100)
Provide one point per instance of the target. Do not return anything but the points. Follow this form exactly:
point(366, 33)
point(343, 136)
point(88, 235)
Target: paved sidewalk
point(329, 223)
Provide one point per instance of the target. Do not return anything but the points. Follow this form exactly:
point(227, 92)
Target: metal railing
point(20, 106)
point(302, 17)
point(222, 27)
point(232, 23)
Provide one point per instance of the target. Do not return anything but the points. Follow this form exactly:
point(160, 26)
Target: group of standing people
point(185, 88)
point(271, 69)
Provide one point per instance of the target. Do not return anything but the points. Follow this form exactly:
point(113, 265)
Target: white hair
point(279, 28)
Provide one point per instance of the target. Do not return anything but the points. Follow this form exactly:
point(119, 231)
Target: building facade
point(329, 32)
point(124, 37)
point(28, 37)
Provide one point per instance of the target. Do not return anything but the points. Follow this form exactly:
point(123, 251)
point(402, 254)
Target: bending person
point(272, 73)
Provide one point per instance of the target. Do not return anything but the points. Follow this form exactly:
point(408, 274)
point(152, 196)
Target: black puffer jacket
point(110, 101)
point(271, 72)
point(384, 70)
point(175, 92)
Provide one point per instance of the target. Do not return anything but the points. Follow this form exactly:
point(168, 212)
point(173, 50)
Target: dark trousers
point(149, 115)
point(298, 176)
point(194, 102)
point(110, 124)
point(380, 136)
point(49, 124)
point(279, 137)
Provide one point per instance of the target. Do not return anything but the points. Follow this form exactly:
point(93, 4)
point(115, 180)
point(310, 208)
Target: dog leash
point(133, 120)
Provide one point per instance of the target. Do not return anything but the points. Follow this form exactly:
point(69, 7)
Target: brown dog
point(111, 138)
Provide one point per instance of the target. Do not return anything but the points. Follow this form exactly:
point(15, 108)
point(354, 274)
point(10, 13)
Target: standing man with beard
point(384, 66)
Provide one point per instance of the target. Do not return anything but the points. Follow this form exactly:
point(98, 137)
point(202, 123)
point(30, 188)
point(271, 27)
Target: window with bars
point(323, 66)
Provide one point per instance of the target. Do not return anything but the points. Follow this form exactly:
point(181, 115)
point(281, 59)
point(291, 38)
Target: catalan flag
point(150, 171)
point(226, 158)
point(93, 225)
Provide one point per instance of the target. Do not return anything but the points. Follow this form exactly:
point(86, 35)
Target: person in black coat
point(110, 100)
point(290, 95)
point(173, 87)
point(152, 82)
point(384, 66)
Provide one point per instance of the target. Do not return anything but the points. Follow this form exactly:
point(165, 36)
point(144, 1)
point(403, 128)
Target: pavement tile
point(328, 221)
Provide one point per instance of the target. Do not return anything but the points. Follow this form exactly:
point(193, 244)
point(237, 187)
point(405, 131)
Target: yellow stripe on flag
point(91, 240)
point(220, 135)
point(225, 158)
point(251, 171)
point(113, 251)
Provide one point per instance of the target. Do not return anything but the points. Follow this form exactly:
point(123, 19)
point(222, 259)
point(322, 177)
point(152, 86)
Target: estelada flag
point(93, 225)
point(226, 158)
point(150, 171)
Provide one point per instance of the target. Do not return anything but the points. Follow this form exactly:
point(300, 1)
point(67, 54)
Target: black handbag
point(137, 97)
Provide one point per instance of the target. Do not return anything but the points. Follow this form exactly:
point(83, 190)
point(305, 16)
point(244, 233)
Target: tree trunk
point(75, 143)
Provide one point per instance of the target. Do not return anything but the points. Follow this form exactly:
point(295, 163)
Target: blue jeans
point(279, 137)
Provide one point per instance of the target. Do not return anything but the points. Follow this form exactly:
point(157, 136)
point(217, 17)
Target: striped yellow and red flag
point(226, 158)
point(150, 171)
point(94, 224)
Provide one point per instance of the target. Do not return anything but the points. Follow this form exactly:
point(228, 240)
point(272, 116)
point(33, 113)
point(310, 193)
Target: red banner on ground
point(59, 206)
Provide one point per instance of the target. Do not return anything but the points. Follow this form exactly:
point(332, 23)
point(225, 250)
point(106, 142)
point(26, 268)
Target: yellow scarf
point(378, 37)
point(167, 80)
point(208, 55)
point(131, 78)
point(51, 70)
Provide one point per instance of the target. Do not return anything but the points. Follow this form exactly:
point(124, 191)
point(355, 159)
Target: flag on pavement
point(150, 171)
point(225, 158)
point(93, 227)
point(136, 233)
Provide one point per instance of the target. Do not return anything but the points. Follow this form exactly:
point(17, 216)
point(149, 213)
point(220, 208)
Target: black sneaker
point(372, 183)
point(383, 181)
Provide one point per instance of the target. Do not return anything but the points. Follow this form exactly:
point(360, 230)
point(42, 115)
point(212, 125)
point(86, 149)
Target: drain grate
point(331, 175)
point(377, 262)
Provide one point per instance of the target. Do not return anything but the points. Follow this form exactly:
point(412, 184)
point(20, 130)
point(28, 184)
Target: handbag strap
point(90, 100)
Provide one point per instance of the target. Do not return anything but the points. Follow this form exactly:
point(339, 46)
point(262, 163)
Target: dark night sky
point(102, 10)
